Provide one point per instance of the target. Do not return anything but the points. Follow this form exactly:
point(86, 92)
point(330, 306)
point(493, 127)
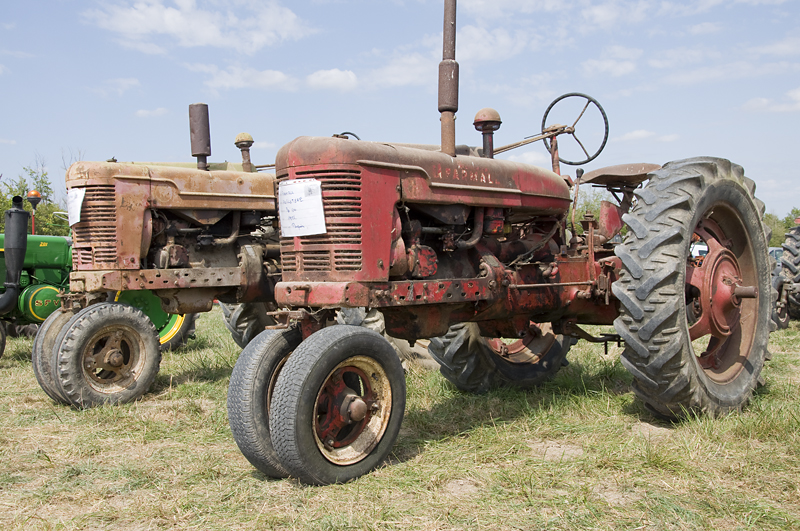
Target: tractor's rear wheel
point(338, 405)
point(44, 358)
point(695, 334)
point(246, 320)
point(250, 394)
point(790, 270)
point(476, 364)
point(109, 354)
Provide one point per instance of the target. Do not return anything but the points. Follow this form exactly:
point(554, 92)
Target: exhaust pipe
point(448, 80)
point(16, 243)
point(200, 134)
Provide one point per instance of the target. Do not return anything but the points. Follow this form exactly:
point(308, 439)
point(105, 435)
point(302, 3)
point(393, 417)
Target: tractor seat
point(620, 175)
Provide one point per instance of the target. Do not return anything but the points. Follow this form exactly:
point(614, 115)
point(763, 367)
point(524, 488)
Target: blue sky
point(114, 78)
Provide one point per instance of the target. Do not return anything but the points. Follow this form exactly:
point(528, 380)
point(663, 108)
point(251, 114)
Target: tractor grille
point(95, 238)
point(339, 250)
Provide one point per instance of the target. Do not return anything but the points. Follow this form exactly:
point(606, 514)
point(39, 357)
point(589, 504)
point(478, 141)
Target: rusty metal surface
point(116, 280)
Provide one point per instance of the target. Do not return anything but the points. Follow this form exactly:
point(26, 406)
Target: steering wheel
point(589, 101)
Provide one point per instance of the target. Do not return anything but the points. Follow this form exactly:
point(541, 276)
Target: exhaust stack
point(15, 246)
point(448, 80)
point(200, 134)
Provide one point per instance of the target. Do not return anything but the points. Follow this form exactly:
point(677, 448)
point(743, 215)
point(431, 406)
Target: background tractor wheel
point(246, 320)
point(250, 393)
point(2, 338)
point(109, 354)
point(695, 335)
point(476, 364)
point(177, 331)
point(790, 271)
point(373, 319)
point(338, 405)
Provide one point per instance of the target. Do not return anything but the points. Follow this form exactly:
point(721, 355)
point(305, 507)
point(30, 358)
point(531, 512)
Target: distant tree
point(589, 200)
point(778, 229)
point(788, 221)
point(35, 178)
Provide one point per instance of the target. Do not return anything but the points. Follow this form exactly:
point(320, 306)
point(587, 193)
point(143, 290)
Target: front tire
point(338, 405)
point(44, 359)
point(109, 354)
point(475, 364)
point(250, 393)
point(695, 335)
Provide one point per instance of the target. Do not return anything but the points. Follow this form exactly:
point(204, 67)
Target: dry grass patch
point(578, 453)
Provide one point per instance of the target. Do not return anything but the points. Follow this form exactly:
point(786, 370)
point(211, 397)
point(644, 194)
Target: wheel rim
point(171, 328)
point(352, 410)
point(112, 359)
point(722, 295)
point(537, 341)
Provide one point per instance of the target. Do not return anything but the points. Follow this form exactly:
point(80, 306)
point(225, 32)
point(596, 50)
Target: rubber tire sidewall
point(248, 415)
point(43, 358)
point(294, 402)
point(82, 327)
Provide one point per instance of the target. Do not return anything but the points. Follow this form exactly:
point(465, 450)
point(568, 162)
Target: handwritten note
point(74, 204)
point(300, 208)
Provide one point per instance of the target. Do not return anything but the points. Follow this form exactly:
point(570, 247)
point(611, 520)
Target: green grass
point(579, 453)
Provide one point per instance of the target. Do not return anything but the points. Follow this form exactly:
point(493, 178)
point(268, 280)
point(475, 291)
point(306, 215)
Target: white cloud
point(639, 134)
point(343, 80)
point(764, 104)
point(787, 46)
point(235, 77)
point(406, 70)
point(735, 70)
point(3, 70)
point(245, 25)
point(642, 134)
point(11, 142)
point(705, 28)
point(680, 57)
point(617, 61)
point(483, 9)
point(264, 145)
point(534, 158)
point(118, 86)
point(161, 111)
point(612, 13)
point(478, 44)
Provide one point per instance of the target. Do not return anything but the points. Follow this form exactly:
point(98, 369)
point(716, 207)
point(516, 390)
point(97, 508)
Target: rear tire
point(246, 320)
point(475, 364)
point(109, 354)
point(335, 373)
point(250, 393)
point(3, 335)
point(668, 302)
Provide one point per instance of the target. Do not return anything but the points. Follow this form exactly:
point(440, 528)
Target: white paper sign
point(300, 208)
point(74, 204)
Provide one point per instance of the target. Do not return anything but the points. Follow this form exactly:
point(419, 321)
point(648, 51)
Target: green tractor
point(45, 273)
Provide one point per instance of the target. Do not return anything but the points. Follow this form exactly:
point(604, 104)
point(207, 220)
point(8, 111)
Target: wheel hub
point(719, 282)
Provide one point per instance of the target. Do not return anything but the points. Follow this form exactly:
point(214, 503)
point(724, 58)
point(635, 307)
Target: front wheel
point(475, 364)
point(109, 354)
point(695, 329)
point(338, 405)
point(250, 393)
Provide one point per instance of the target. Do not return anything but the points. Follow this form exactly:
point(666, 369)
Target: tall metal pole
point(448, 80)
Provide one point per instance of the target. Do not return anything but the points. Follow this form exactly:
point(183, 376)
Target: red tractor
point(452, 244)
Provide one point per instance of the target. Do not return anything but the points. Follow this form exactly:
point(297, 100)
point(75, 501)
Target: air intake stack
point(448, 80)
